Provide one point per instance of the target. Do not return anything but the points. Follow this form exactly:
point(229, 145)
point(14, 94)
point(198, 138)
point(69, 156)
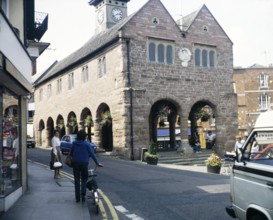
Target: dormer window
point(263, 78)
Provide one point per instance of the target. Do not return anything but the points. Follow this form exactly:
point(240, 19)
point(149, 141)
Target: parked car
point(30, 142)
point(66, 143)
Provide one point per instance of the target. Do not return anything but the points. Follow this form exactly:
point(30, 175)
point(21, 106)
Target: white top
point(55, 142)
point(15, 144)
point(211, 137)
point(238, 145)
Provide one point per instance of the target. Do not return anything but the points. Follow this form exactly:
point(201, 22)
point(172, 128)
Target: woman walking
point(81, 151)
point(56, 154)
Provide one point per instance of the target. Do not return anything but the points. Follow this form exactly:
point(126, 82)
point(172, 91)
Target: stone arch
point(49, 130)
point(164, 114)
point(104, 127)
point(41, 132)
point(201, 112)
point(72, 123)
point(60, 125)
point(87, 122)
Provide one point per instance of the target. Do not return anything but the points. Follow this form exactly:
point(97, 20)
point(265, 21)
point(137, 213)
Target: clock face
point(100, 16)
point(117, 14)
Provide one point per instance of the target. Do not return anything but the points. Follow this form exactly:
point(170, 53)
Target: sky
point(248, 23)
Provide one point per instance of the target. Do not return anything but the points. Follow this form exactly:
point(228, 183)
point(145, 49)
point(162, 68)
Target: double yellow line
point(101, 206)
point(104, 197)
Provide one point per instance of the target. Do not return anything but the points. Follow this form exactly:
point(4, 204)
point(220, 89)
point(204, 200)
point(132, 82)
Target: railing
point(39, 27)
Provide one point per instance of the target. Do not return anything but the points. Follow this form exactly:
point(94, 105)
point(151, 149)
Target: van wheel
point(258, 217)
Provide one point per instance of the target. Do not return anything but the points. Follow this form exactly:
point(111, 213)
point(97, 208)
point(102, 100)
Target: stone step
point(196, 159)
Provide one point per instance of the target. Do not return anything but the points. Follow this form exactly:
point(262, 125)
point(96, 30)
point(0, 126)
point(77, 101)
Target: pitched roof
point(90, 47)
point(189, 19)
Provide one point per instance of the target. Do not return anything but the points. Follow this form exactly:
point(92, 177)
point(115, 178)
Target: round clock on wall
point(117, 14)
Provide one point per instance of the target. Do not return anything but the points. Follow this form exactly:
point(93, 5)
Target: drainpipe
point(131, 99)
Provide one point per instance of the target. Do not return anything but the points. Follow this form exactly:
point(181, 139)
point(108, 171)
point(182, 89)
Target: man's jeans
point(80, 172)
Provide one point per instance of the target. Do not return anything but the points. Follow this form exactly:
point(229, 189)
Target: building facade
point(254, 88)
point(138, 71)
point(18, 53)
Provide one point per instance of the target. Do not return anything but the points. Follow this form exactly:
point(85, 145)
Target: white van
point(251, 179)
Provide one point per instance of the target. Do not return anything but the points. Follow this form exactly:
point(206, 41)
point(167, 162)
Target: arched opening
point(50, 130)
point(164, 125)
point(87, 122)
point(202, 122)
point(104, 117)
point(72, 123)
point(40, 134)
point(60, 125)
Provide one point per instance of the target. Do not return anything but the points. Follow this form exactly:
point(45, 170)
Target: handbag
point(57, 164)
point(13, 166)
point(68, 160)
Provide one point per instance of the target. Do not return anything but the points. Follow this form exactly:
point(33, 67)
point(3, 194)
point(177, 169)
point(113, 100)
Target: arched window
point(204, 58)
point(212, 58)
point(160, 53)
point(197, 57)
point(169, 54)
point(152, 52)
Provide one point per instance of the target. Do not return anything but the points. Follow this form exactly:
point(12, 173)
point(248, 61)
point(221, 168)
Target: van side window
point(260, 148)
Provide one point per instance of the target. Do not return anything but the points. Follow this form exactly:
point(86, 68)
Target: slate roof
point(89, 48)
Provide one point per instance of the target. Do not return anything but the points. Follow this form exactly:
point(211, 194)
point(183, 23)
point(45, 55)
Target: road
point(140, 191)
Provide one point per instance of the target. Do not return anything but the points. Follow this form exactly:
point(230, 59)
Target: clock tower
point(109, 12)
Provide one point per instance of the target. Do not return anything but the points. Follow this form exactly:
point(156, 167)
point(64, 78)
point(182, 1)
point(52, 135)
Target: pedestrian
point(56, 154)
point(196, 144)
point(210, 139)
point(239, 143)
point(81, 151)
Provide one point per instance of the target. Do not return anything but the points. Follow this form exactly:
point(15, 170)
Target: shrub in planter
point(150, 156)
point(213, 163)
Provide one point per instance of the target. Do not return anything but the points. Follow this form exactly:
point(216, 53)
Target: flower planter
point(213, 169)
point(151, 160)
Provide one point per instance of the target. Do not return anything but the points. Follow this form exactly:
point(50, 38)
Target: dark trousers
point(80, 172)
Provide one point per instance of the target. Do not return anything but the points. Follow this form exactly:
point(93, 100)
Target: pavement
point(48, 198)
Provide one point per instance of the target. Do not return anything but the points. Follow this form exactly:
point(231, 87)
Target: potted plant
point(150, 156)
point(213, 163)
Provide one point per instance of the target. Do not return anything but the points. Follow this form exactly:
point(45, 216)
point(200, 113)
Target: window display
point(10, 158)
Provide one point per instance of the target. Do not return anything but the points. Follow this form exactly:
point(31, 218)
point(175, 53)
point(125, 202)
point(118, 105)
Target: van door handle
point(270, 184)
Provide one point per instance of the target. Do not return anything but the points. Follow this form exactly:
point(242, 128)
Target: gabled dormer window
point(263, 78)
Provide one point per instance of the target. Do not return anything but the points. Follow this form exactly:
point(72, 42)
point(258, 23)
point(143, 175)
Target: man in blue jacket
point(81, 151)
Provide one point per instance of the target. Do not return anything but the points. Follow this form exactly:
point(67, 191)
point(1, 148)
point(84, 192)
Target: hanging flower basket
point(106, 118)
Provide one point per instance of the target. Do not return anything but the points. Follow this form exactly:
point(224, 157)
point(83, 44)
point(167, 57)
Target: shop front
point(15, 86)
